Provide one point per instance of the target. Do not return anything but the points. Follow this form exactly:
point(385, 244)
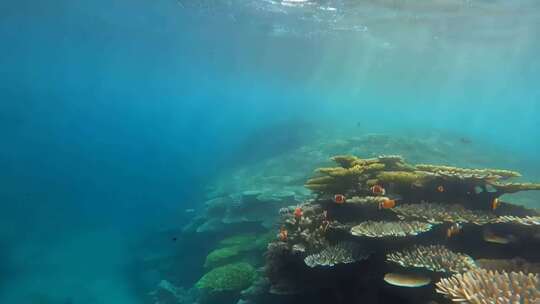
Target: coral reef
point(433, 257)
point(375, 203)
point(370, 196)
point(435, 183)
point(479, 286)
point(231, 277)
point(381, 229)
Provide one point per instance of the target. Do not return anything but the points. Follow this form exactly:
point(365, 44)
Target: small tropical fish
point(378, 190)
point(453, 230)
point(189, 210)
point(387, 204)
point(298, 213)
point(495, 203)
point(283, 234)
point(440, 188)
point(339, 198)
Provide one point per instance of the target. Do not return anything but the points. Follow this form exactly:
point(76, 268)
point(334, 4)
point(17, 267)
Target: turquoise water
point(118, 116)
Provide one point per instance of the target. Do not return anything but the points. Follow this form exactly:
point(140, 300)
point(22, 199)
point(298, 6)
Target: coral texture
point(480, 286)
point(435, 258)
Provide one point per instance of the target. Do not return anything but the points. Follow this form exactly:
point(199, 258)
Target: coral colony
point(377, 230)
point(409, 225)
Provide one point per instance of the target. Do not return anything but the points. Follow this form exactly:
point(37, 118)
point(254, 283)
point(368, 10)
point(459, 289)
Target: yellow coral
point(402, 177)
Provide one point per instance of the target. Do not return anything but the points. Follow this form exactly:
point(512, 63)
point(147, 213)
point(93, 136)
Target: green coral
point(231, 277)
point(221, 256)
point(261, 243)
point(236, 247)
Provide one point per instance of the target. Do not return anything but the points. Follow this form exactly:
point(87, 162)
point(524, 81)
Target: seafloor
point(272, 231)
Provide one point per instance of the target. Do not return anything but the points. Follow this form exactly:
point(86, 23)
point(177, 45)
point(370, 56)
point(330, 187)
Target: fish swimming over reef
point(378, 190)
point(339, 198)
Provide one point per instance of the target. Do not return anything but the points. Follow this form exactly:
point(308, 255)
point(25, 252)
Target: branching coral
point(307, 230)
point(526, 221)
point(439, 213)
point(342, 253)
point(480, 286)
point(435, 258)
point(386, 229)
point(515, 265)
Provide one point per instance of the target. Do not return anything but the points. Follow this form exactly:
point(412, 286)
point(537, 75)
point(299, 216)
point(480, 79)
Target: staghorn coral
point(439, 213)
point(231, 277)
point(526, 221)
point(465, 173)
point(434, 257)
point(480, 286)
point(342, 253)
point(385, 229)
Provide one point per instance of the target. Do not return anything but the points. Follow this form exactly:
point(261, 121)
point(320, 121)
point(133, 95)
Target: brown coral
point(435, 258)
point(508, 265)
point(526, 221)
point(480, 286)
point(514, 187)
point(439, 213)
point(385, 229)
point(465, 173)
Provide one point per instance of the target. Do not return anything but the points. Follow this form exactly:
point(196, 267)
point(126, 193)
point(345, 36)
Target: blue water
point(115, 115)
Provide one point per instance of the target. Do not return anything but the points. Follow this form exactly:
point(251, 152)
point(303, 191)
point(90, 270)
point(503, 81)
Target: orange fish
point(387, 204)
point(298, 212)
point(440, 188)
point(378, 190)
point(453, 230)
point(495, 203)
point(283, 234)
point(339, 198)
